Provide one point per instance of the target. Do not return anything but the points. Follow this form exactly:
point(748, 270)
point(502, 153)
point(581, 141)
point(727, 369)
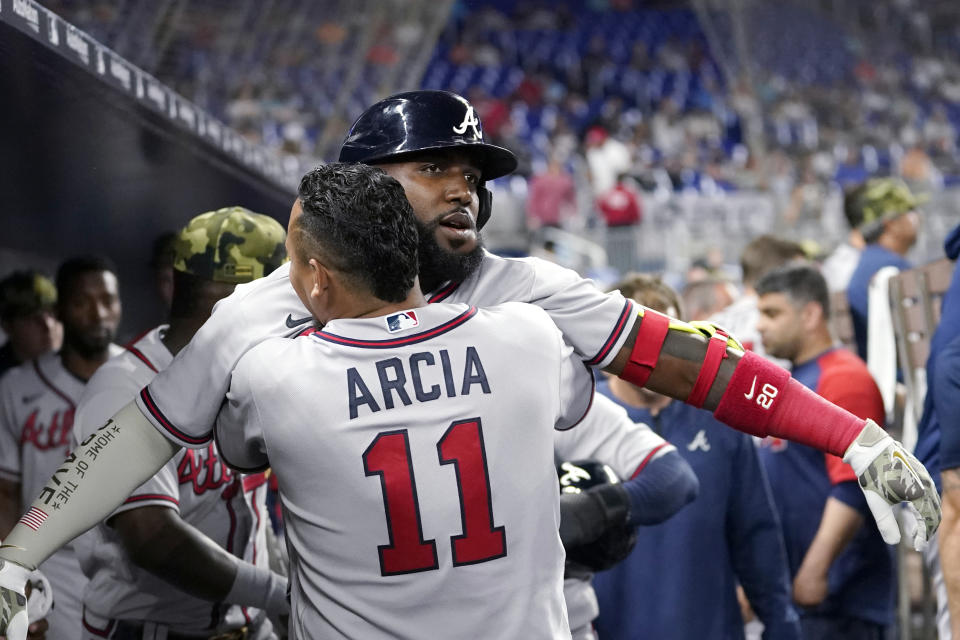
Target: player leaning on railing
point(432, 143)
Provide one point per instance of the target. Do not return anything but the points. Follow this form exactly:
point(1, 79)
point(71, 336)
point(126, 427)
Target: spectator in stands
point(888, 210)
point(842, 262)
point(729, 534)
point(620, 206)
point(843, 572)
point(607, 158)
point(707, 297)
point(938, 447)
point(551, 197)
point(762, 254)
point(27, 300)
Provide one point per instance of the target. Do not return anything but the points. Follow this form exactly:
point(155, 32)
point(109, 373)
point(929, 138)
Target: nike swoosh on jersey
point(292, 324)
point(753, 386)
point(31, 398)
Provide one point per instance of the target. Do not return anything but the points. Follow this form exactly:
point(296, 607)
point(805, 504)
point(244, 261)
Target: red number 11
point(388, 456)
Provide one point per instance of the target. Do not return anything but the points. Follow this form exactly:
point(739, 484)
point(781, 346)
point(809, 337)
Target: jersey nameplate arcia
point(398, 377)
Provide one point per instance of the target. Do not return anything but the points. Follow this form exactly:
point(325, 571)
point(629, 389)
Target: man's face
point(780, 325)
point(90, 312)
point(34, 334)
point(907, 226)
point(442, 189)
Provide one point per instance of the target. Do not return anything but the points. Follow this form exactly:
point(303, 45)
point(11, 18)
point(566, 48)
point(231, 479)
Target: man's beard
point(89, 346)
point(437, 265)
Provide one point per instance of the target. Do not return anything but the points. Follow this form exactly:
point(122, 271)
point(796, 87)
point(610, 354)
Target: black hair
point(853, 205)
point(71, 269)
point(163, 250)
point(357, 220)
point(194, 297)
point(802, 283)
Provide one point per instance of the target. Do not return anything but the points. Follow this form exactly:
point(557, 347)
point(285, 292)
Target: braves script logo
point(402, 320)
point(203, 469)
point(469, 120)
point(56, 435)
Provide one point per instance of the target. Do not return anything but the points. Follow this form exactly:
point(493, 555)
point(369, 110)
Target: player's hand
point(709, 329)
point(585, 516)
point(13, 600)
point(889, 475)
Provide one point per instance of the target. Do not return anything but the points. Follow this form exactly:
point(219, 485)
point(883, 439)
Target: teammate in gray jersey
point(438, 512)
point(37, 404)
point(432, 142)
point(180, 555)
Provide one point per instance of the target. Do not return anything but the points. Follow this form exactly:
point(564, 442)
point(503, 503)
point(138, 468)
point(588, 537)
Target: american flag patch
point(33, 518)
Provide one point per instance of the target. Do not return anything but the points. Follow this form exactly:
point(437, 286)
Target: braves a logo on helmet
point(469, 120)
point(402, 320)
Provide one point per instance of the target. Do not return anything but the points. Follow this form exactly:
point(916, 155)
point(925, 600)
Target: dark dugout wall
point(99, 157)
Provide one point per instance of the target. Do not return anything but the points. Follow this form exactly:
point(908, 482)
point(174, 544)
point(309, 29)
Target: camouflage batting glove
point(889, 475)
point(13, 600)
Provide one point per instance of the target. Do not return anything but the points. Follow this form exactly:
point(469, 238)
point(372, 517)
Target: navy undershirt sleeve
point(662, 488)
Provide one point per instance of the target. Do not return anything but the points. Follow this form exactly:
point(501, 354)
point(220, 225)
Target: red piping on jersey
point(101, 633)
point(151, 496)
point(137, 339)
point(443, 293)
point(398, 342)
point(254, 481)
point(166, 424)
point(139, 354)
point(256, 526)
point(44, 380)
point(614, 335)
point(648, 459)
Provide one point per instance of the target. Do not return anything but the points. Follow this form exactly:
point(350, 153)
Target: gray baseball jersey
point(413, 453)
point(228, 509)
point(38, 400)
point(608, 435)
point(184, 399)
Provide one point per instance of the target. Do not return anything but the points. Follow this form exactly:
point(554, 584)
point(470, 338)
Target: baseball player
point(426, 483)
point(179, 555)
point(27, 316)
point(38, 400)
point(432, 142)
point(652, 468)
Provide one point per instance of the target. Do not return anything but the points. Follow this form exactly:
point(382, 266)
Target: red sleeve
point(851, 387)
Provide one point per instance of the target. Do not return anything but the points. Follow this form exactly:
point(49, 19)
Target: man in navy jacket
point(695, 560)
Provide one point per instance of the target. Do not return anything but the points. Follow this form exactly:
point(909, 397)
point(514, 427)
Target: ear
point(812, 315)
point(320, 278)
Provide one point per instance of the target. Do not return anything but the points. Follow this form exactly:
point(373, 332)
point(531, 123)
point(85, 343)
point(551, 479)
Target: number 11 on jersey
point(388, 456)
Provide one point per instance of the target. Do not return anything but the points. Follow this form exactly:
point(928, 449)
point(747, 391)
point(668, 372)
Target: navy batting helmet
point(617, 542)
point(418, 121)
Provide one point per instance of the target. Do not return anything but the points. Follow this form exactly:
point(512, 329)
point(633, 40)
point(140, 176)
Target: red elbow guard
point(646, 348)
point(763, 400)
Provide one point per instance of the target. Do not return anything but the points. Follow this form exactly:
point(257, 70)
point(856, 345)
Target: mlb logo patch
point(402, 320)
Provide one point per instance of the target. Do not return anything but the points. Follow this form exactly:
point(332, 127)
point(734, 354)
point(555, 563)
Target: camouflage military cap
point(26, 292)
point(232, 245)
point(881, 199)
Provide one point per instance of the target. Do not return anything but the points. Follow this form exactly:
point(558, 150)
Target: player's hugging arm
point(755, 396)
point(94, 479)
